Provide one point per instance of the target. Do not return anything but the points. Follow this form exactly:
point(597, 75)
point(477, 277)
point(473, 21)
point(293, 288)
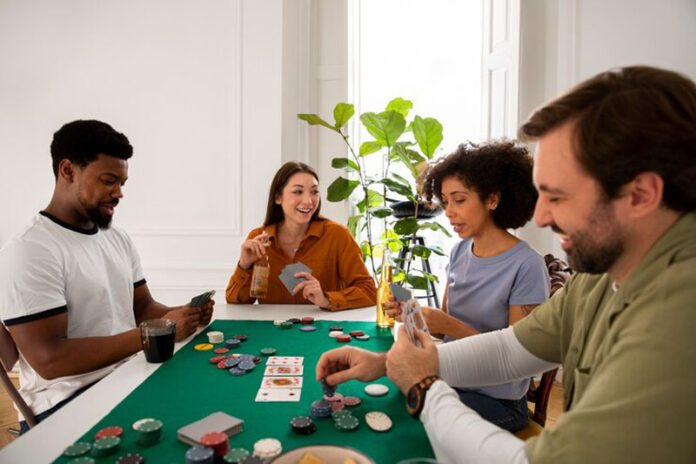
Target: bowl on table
point(329, 454)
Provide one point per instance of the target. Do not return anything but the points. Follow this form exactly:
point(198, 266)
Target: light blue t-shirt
point(481, 291)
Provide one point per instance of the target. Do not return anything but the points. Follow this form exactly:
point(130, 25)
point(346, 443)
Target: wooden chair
point(8, 357)
point(538, 394)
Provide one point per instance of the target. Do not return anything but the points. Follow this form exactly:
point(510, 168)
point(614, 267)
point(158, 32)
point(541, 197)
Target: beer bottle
point(384, 319)
point(259, 278)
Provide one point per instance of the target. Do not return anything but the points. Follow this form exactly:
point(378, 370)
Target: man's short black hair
point(82, 141)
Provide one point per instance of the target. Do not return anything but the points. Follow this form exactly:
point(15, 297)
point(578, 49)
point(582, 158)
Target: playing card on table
point(278, 395)
point(285, 361)
point(413, 319)
point(281, 382)
point(284, 370)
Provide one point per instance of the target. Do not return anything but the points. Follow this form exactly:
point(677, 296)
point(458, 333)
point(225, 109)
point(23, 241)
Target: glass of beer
point(158, 336)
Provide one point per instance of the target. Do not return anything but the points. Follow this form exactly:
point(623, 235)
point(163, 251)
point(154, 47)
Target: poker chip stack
point(219, 442)
point(303, 425)
point(77, 449)
point(200, 455)
point(215, 337)
point(232, 343)
point(344, 420)
point(235, 455)
point(267, 448)
point(320, 409)
point(149, 432)
point(105, 446)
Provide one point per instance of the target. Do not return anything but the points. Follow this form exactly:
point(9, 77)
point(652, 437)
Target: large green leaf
point(340, 189)
point(342, 114)
point(406, 226)
point(373, 199)
point(353, 222)
point(421, 251)
point(315, 120)
point(428, 134)
point(381, 212)
point(434, 226)
point(400, 106)
point(417, 282)
point(400, 153)
point(344, 163)
point(400, 179)
point(399, 188)
point(369, 147)
point(385, 127)
point(366, 249)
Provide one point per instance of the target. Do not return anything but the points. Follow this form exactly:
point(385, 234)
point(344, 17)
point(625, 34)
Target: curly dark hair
point(493, 167)
point(82, 141)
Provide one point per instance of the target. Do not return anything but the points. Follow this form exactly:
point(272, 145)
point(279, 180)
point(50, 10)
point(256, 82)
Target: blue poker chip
point(308, 328)
point(236, 371)
point(231, 362)
point(246, 365)
point(200, 455)
point(232, 343)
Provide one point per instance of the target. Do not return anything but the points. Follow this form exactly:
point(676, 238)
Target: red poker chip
point(343, 338)
point(221, 350)
point(356, 333)
point(307, 320)
point(337, 406)
point(351, 401)
point(218, 441)
point(221, 364)
point(114, 431)
point(217, 359)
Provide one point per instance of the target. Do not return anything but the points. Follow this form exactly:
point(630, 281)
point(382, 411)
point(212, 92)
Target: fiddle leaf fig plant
point(401, 145)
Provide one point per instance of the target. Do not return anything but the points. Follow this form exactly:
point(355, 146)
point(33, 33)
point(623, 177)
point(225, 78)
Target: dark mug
point(157, 336)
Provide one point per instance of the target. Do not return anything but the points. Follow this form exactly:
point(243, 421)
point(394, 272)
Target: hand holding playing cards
point(311, 290)
point(206, 312)
point(348, 363)
point(187, 318)
point(407, 363)
point(253, 250)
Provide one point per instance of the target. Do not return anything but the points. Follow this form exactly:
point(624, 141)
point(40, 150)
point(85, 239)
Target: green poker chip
point(77, 449)
point(82, 460)
point(149, 432)
point(347, 423)
point(286, 325)
point(336, 415)
point(235, 455)
point(268, 351)
point(105, 446)
point(363, 337)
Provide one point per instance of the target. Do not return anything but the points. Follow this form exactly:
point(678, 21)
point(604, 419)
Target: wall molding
point(185, 231)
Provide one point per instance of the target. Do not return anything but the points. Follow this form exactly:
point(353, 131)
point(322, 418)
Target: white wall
point(206, 93)
point(566, 41)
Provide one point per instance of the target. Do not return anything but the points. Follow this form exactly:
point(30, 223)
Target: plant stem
point(368, 216)
point(413, 237)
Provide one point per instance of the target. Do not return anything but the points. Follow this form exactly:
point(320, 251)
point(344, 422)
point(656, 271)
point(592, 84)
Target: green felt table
point(188, 387)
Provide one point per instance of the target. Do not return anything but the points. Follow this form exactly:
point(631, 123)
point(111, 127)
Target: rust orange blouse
point(332, 254)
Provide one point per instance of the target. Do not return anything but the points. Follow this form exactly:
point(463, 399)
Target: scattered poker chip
point(149, 432)
point(277, 322)
point(286, 325)
point(77, 449)
point(105, 446)
point(340, 413)
point(114, 431)
point(362, 337)
point(139, 422)
point(343, 338)
point(378, 421)
point(295, 320)
point(376, 389)
point(303, 425)
point(232, 343)
point(320, 409)
point(217, 359)
point(356, 333)
point(307, 320)
point(241, 337)
point(267, 448)
point(221, 365)
point(219, 442)
point(347, 423)
point(336, 397)
point(215, 337)
point(203, 347)
point(326, 388)
point(337, 406)
point(257, 360)
point(235, 455)
point(131, 458)
point(351, 401)
point(308, 328)
point(335, 333)
point(335, 328)
point(231, 362)
point(82, 460)
point(234, 355)
point(268, 351)
point(246, 365)
point(221, 350)
point(236, 371)
point(200, 455)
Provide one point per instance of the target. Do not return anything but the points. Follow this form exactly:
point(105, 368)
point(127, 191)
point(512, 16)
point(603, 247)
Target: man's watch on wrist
point(415, 397)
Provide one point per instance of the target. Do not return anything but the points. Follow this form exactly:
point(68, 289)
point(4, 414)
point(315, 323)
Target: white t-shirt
point(53, 267)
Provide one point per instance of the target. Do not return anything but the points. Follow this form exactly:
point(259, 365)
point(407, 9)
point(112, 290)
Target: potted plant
point(392, 225)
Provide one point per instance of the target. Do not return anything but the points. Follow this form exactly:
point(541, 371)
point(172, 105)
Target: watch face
point(413, 398)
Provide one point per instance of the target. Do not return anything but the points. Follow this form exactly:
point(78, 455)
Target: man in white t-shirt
point(72, 289)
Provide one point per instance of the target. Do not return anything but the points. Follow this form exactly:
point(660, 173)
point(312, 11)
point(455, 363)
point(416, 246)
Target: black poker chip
point(240, 337)
point(335, 327)
point(252, 460)
point(133, 458)
point(295, 320)
point(303, 425)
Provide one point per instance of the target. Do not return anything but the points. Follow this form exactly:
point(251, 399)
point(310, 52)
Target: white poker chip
point(335, 333)
point(267, 448)
point(138, 423)
point(376, 389)
point(278, 322)
point(378, 421)
point(216, 337)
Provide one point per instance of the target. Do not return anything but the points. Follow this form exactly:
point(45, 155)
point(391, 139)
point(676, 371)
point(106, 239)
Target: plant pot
point(403, 209)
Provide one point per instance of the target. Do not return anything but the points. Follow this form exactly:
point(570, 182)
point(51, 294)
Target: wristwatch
point(415, 398)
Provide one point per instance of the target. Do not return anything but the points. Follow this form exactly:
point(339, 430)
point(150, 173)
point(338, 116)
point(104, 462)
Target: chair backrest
point(8, 358)
point(559, 273)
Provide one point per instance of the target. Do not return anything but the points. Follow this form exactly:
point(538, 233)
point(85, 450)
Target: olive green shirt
point(629, 360)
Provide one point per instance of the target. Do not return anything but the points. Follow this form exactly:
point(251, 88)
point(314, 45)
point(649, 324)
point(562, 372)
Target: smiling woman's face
point(299, 198)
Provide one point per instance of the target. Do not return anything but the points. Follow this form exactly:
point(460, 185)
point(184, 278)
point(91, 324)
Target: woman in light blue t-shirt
point(494, 279)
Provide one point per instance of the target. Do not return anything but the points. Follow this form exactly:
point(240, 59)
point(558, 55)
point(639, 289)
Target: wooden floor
point(8, 415)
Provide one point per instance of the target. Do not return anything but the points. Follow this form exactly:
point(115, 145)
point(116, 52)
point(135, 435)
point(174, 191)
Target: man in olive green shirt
point(616, 172)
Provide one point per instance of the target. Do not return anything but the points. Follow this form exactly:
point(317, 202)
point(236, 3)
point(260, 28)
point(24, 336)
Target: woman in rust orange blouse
point(293, 231)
